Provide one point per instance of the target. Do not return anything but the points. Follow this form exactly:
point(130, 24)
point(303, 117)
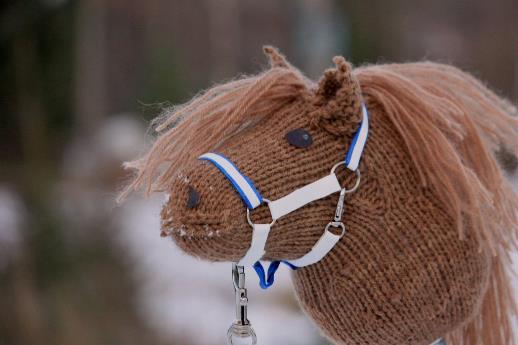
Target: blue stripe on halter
point(354, 154)
point(233, 174)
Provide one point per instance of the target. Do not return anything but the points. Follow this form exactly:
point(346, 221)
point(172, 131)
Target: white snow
point(181, 296)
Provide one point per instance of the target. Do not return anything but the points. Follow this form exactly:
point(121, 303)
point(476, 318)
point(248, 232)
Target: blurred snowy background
point(80, 82)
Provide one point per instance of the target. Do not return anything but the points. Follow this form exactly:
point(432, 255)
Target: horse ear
point(337, 99)
point(275, 58)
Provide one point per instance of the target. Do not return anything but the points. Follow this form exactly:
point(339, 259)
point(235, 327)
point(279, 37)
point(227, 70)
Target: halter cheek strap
point(302, 196)
point(314, 191)
point(256, 250)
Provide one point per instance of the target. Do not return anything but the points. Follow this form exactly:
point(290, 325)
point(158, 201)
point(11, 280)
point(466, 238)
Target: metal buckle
point(337, 221)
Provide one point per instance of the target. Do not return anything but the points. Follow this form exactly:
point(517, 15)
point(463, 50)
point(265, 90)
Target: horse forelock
point(223, 111)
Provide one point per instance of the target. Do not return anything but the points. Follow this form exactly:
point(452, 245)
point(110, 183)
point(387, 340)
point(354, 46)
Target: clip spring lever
point(340, 206)
point(337, 220)
point(241, 328)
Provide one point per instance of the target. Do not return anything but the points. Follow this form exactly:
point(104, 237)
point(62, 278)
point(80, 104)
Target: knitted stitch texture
point(410, 269)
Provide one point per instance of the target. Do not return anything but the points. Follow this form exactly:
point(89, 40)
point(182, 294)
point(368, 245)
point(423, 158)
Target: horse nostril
point(193, 198)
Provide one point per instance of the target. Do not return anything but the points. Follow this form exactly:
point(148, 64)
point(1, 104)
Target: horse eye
point(299, 138)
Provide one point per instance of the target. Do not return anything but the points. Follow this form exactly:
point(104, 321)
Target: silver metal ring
point(241, 331)
point(266, 201)
point(336, 225)
point(358, 177)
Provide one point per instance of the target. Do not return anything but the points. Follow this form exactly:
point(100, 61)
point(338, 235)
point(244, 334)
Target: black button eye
point(299, 138)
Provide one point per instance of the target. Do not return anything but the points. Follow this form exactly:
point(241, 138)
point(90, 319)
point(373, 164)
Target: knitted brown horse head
point(428, 230)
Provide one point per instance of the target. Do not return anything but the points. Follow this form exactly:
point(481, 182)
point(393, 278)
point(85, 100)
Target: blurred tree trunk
point(90, 92)
point(224, 36)
point(31, 109)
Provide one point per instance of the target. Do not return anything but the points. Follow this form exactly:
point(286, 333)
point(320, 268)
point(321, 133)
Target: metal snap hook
point(241, 328)
point(358, 177)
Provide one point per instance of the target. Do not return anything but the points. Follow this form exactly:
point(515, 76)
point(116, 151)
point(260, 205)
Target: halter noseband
point(278, 208)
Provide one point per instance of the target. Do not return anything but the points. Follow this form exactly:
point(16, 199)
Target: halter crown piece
point(316, 190)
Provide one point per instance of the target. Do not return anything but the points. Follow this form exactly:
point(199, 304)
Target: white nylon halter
point(278, 208)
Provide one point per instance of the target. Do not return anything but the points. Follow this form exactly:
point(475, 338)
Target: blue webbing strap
point(265, 281)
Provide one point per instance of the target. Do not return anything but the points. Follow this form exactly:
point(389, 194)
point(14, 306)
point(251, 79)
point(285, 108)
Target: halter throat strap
point(316, 190)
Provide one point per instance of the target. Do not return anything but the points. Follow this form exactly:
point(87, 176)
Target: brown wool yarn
point(425, 255)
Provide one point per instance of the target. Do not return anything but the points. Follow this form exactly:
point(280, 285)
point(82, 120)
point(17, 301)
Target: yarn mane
point(451, 125)
point(189, 130)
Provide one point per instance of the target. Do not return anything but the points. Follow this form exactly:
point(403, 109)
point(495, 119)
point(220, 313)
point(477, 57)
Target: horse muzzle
point(204, 215)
